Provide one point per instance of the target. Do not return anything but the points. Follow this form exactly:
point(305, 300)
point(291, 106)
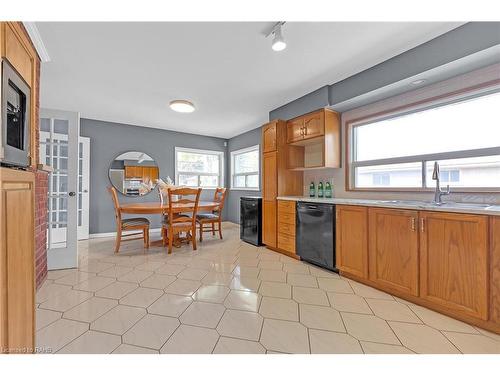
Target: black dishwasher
point(251, 220)
point(316, 234)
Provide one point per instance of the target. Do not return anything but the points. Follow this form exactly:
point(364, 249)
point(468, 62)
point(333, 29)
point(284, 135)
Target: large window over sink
point(398, 151)
point(199, 168)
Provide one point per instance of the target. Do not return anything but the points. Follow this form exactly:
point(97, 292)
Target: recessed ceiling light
point(183, 106)
point(278, 43)
point(418, 82)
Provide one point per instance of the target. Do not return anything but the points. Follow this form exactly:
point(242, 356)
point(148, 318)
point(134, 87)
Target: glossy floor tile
point(234, 298)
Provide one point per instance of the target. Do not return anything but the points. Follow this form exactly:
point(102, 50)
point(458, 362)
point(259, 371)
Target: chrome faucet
point(438, 193)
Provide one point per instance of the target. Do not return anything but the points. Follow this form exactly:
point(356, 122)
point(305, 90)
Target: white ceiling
point(129, 72)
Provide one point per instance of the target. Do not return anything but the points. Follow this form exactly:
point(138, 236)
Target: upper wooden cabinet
point(454, 262)
point(18, 51)
point(314, 140)
point(352, 240)
point(269, 140)
point(393, 249)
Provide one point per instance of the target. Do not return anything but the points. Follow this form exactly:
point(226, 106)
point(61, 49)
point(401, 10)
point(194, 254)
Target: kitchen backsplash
point(337, 179)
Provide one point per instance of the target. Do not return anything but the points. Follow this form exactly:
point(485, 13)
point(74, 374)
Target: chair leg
point(164, 236)
point(213, 229)
point(220, 229)
point(118, 240)
point(201, 231)
point(147, 238)
point(193, 237)
point(170, 240)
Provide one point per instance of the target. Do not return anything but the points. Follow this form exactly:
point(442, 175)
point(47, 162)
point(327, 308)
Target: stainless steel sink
point(466, 205)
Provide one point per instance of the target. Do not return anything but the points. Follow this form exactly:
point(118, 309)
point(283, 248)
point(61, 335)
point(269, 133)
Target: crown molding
point(37, 40)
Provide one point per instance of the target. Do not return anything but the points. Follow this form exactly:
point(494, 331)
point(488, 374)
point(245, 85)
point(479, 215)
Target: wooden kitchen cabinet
point(270, 192)
point(393, 249)
point(314, 141)
point(352, 240)
point(495, 270)
point(294, 130)
point(269, 141)
point(454, 262)
point(17, 281)
point(286, 226)
point(18, 51)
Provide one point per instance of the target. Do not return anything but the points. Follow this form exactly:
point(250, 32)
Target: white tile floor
point(231, 297)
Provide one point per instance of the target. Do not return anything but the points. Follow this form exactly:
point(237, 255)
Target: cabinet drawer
point(286, 218)
point(287, 229)
point(286, 242)
point(286, 206)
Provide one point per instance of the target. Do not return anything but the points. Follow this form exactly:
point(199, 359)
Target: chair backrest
point(188, 196)
point(116, 203)
point(220, 196)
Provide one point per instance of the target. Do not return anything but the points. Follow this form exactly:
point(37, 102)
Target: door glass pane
point(61, 126)
point(45, 124)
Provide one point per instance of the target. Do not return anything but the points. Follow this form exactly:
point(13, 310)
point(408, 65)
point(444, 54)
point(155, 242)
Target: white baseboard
point(113, 234)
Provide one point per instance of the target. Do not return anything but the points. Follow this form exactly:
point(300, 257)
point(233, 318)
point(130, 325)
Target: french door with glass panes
point(59, 132)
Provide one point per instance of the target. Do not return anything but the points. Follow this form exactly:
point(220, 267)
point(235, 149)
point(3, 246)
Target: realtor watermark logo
point(24, 350)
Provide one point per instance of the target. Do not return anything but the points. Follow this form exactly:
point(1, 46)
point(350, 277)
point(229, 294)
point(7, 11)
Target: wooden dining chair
point(212, 218)
point(129, 224)
point(174, 222)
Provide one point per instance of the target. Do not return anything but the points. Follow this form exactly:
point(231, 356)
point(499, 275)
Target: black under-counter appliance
point(251, 220)
point(315, 237)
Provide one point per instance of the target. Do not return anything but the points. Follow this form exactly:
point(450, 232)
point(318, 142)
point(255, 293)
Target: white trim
point(113, 234)
point(232, 174)
point(37, 41)
point(220, 154)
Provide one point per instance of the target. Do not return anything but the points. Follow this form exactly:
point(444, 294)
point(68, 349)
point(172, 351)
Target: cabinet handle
point(412, 223)
point(301, 131)
point(305, 130)
point(422, 225)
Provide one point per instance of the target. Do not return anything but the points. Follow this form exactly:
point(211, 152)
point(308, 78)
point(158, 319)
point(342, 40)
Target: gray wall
point(251, 138)
point(108, 140)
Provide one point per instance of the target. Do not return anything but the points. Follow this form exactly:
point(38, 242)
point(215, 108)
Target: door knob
point(72, 193)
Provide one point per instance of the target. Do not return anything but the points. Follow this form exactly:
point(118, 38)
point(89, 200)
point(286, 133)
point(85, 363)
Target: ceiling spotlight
point(183, 106)
point(418, 82)
point(279, 43)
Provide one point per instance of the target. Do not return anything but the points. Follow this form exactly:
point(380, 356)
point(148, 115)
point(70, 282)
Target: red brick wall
point(41, 186)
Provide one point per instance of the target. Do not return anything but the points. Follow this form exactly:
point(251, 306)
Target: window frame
point(423, 105)
point(200, 151)
point(233, 174)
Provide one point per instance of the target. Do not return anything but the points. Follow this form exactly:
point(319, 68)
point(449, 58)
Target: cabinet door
point(270, 176)
point(495, 269)
point(269, 137)
point(314, 124)
point(454, 262)
point(393, 249)
point(269, 219)
point(352, 240)
point(294, 130)
point(17, 284)
point(17, 54)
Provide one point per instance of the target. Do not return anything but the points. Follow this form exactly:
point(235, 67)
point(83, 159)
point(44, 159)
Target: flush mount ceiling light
point(418, 82)
point(279, 43)
point(182, 106)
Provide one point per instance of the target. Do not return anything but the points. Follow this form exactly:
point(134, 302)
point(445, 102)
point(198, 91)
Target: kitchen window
point(398, 152)
point(245, 168)
point(199, 168)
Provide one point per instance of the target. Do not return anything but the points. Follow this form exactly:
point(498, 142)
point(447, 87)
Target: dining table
point(152, 208)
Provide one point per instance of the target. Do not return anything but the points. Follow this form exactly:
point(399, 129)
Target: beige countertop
point(466, 208)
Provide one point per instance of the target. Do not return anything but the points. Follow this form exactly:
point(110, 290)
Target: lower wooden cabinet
point(286, 226)
point(393, 249)
point(17, 284)
point(352, 240)
point(495, 270)
point(454, 262)
point(269, 221)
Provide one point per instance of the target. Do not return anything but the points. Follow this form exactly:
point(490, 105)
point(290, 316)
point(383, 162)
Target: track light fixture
point(279, 43)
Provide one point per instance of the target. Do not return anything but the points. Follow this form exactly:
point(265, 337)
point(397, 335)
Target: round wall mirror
point(134, 173)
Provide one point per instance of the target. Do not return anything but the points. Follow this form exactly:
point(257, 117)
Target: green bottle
point(312, 190)
point(328, 190)
point(320, 190)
